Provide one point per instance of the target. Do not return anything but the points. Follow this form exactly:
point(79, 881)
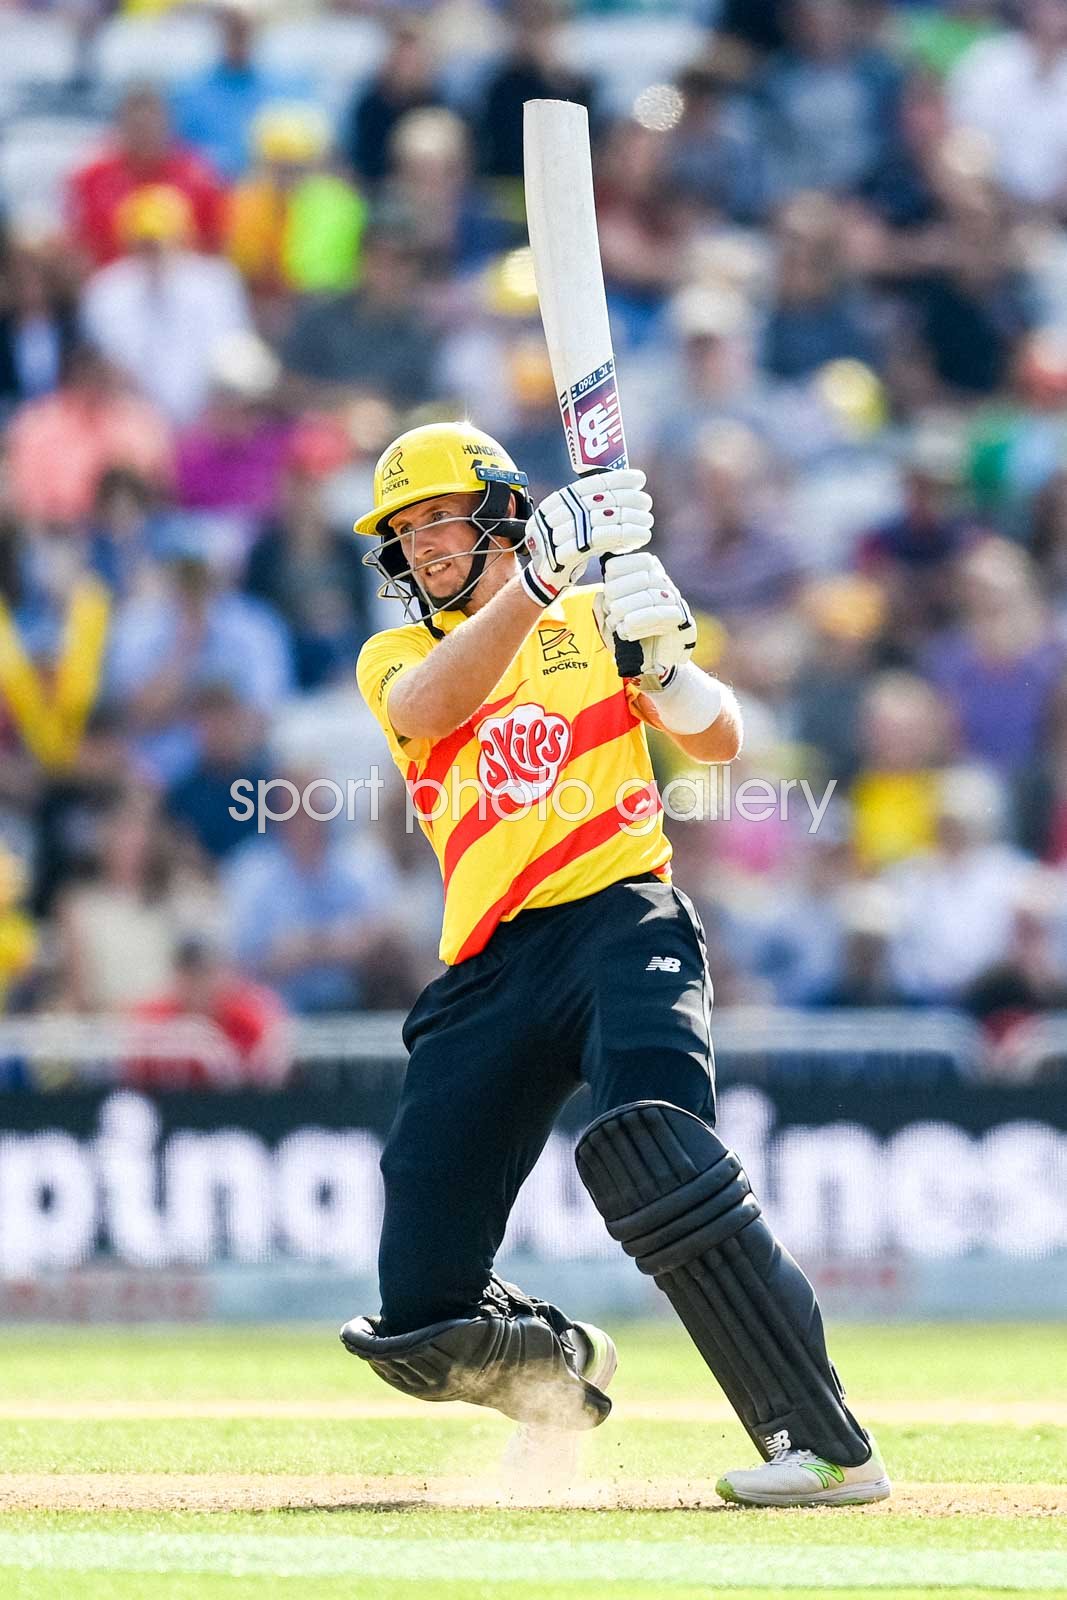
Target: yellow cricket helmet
point(442, 458)
point(439, 458)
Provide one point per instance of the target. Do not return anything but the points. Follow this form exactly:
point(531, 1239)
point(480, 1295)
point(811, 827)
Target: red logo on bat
point(593, 420)
point(522, 753)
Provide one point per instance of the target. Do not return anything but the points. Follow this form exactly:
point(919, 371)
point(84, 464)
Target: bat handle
point(629, 656)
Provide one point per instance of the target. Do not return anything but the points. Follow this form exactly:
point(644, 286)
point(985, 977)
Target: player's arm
point(699, 713)
point(608, 514)
point(439, 694)
point(720, 741)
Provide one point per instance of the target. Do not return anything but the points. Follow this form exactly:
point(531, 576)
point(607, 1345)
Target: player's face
point(437, 538)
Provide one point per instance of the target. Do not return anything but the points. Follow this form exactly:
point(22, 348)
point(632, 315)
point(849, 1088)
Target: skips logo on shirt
point(522, 753)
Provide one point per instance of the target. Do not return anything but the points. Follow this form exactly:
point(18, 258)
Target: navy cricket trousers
point(611, 991)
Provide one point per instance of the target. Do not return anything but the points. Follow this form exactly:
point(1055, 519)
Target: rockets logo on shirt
point(557, 643)
point(522, 753)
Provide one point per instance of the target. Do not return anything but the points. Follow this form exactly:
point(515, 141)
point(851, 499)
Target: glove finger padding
point(664, 646)
point(626, 518)
point(641, 602)
point(619, 538)
point(606, 515)
point(637, 575)
point(618, 480)
point(639, 566)
point(627, 576)
point(651, 621)
point(559, 510)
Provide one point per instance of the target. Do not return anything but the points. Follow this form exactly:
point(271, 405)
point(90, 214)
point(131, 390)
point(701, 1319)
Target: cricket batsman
point(571, 958)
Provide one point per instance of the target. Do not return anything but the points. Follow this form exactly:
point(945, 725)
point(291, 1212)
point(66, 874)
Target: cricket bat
point(558, 174)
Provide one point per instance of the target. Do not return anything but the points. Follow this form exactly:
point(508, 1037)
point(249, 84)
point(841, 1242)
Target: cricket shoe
point(595, 1353)
point(801, 1478)
point(541, 1463)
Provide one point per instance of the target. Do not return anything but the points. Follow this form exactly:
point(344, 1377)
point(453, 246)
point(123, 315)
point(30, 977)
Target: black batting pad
point(678, 1201)
point(515, 1363)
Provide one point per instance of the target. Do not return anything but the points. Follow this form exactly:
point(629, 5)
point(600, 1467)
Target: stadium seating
point(626, 54)
point(36, 49)
point(335, 53)
point(36, 156)
point(157, 49)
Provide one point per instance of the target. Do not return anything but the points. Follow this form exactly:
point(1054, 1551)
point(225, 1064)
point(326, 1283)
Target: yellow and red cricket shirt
point(546, 794)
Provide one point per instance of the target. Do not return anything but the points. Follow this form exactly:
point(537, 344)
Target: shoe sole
point(525, 1451)
point(606, 1356)
point(852, 1494)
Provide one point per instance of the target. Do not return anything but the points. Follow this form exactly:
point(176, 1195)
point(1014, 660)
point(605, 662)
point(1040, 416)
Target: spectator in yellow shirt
point(294, 224)
point(18, 936)
point(895, 796)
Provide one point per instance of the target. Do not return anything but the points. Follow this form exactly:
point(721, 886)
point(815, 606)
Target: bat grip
point(629, 656)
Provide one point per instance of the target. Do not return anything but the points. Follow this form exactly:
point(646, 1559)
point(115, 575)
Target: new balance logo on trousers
point(664, 964)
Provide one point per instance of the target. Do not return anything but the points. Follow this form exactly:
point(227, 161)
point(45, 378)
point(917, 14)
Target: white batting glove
point(606, 514)
point(639, 601)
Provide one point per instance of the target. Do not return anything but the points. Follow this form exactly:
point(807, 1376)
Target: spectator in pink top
point(59, 447)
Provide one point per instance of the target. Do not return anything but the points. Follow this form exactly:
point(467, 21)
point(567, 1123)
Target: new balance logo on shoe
point(778, 1443)
point(825, 1471)
point(664, 964)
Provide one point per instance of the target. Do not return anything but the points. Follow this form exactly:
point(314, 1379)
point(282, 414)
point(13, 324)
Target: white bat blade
point(570, 282)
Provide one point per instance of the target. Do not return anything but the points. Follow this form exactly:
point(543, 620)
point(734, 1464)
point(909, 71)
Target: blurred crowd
point(836, 256)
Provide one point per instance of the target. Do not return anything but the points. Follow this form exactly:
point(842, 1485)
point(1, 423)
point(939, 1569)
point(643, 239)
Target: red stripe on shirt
point(445, 751)
point(588, 835)
point(594, 726)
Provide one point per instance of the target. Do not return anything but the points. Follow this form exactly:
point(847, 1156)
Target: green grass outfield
point(232, 1463)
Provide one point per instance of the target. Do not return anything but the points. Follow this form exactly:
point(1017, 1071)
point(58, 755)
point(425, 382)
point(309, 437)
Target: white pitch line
point(599, 1562)
point(169, 1492)
point(386, 1407)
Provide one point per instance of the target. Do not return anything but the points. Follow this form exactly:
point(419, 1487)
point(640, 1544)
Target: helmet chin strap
point(490, 518)
point(478, 554)
point(484, 520)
